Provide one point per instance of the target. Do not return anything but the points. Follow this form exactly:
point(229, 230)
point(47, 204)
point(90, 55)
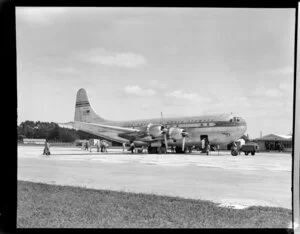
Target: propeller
point(166, 142)
point(183, 143)
point(164, 131)
point(184, 135)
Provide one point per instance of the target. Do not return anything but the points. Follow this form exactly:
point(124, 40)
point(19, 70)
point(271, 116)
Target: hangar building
point(273, 142)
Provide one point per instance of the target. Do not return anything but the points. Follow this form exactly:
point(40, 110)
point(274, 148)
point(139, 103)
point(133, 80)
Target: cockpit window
point(235, 119)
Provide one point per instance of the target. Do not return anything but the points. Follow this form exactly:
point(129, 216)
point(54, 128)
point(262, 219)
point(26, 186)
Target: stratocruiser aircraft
point(183, 133)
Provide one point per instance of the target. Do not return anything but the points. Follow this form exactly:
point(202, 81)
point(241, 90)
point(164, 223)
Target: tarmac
point(238, 182)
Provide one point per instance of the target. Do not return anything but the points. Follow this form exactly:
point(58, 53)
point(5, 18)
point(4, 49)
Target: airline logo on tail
point(82, 99)
point(83, 110)
point(82, 104)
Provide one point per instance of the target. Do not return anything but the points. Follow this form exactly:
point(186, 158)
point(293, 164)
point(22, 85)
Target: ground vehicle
point(249, 148)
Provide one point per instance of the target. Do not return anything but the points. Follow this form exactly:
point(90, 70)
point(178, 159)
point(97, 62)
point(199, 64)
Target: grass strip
point(52, 206)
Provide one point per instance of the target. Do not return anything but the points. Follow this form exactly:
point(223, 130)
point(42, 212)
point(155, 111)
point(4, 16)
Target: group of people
point(277, 146)
point(100, 145)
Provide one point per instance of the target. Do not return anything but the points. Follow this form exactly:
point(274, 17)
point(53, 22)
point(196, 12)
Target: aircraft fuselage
point(220, 129)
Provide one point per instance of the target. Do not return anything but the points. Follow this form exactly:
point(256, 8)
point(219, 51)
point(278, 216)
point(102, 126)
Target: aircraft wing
point(102, 127)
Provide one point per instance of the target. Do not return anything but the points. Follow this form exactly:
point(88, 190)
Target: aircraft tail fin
point(84, 111)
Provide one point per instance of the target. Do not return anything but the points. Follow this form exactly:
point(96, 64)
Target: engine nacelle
point(155, 130)
point(176, 133)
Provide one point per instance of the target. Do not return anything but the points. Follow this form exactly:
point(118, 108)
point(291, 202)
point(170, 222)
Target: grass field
point(51, 206)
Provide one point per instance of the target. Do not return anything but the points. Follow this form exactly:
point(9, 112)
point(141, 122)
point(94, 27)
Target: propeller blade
point(166, 142)
point(183, 143)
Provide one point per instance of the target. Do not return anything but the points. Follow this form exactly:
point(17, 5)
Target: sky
point(138, 62)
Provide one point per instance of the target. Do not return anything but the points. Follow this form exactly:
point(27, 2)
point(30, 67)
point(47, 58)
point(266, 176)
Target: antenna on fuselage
point(162, 119)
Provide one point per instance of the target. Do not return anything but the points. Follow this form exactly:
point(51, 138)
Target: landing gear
point(163, 149)
point(179, 150)
point(157, 150)
point(205, 146)
point(234, 152)
point(152, 150)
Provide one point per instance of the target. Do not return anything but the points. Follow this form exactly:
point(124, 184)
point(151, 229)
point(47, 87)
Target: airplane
point(157, 135)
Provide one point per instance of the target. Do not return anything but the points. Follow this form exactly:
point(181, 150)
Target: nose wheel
point(234, 152)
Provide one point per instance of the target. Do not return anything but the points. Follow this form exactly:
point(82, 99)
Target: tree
point(53, 134)
point(65, 135)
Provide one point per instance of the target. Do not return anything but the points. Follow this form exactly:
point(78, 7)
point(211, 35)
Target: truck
point(249, 148)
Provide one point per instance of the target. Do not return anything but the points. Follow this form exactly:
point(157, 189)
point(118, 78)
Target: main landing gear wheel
point(152, 150)
point(234, 153)
point(163, 150)
point(179, 150)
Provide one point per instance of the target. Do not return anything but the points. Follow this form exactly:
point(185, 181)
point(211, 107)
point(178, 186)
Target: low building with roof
point(34, 141)
point(275, 142)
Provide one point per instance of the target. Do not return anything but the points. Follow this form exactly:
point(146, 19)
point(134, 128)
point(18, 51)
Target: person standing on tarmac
point(98, 146)
point(101, 145)
point(208, 148)
point(131, 148)
point(123, 144)
point(105, 146)
point(47, 148)
point(87, 145)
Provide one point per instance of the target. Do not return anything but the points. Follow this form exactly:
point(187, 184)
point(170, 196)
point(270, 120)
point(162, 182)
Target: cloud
point(179, 94)
point(287, 70)
point(273, 93)
point(39, 15)
point(138, 91)
point(269, 93)
point(157, 84)
point(287, 87)
point(146, 107)
point(66, 70)
point(102, 56)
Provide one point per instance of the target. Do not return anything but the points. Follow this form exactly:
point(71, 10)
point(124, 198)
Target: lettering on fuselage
point(180, 125)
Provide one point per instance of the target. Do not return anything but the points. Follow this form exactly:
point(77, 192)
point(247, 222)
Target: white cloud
point(66, 70)
point(137, 90)
point(287, 70)
point(179, 94)
point(270, 93)
point(287, 87)
point(273, 93)
point(39, 15)
point(157, 84)
point(145, 106)
point(102, 56)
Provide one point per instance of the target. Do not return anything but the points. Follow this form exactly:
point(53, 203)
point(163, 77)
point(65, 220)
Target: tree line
point(50, 131)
